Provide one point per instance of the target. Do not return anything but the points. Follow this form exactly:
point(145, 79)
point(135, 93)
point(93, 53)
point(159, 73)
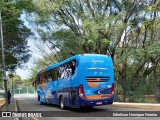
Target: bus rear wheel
point(42, 103)
point(62, 105)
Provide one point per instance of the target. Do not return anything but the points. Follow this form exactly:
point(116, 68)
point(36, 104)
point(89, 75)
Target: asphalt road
point(96, 113)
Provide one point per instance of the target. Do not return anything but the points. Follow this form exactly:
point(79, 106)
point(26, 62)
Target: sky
point(26, 71)
point(36, 53)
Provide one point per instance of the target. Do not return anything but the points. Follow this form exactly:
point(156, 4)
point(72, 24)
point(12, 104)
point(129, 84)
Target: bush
point(158, 99)
point(141, 100)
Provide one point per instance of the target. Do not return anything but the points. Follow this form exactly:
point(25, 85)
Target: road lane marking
point(16, 118)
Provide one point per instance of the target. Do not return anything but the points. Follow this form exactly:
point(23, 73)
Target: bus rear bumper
point(95, 102)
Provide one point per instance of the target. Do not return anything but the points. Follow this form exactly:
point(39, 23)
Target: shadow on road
point(87, 110)
point(79, 110)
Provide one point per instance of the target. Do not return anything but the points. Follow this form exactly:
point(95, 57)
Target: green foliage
point(15, 77)
point(40, 64)
point(128, 31)
point(140, 100)
point(15, 35)
point(158, 99)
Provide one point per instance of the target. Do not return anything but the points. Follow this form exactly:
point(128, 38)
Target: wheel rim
point(62, 104)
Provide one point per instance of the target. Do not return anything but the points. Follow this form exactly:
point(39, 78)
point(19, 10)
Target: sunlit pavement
point(27, 102)
point(24, 95)
point(145, 106)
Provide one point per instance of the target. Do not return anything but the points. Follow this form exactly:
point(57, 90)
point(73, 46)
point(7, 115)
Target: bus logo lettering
point(94, 62)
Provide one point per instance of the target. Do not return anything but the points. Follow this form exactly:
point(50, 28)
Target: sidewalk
point(11, 108)
point(2, 102)
point(143, 106)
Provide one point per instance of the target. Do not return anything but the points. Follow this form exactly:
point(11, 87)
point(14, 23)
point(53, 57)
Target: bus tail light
point(81, 91)
point(112, 88)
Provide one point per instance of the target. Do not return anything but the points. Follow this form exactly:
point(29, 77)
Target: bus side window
point(37, 80)
point(42, 78)
point(57, 73)
point(61, 71)
point(49, 76)
point(54, 74)
point(45, 77)
point(68, 70)
point(65, 71)
point(73, 65)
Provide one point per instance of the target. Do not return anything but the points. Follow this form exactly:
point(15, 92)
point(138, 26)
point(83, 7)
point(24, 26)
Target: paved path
point(28, 103)
point(12, 107)
point(99, 112)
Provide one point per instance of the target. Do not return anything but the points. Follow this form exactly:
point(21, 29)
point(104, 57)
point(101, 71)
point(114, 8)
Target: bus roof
point(67, 60)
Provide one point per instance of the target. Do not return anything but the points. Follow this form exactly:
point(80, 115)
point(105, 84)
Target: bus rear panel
point(96, 81)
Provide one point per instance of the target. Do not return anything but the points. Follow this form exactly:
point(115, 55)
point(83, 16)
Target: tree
point(42, 63)
point(126, 30)
point(15, 34)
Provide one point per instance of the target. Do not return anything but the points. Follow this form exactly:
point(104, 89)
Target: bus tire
point(38, 98)
point(62, 104)
point(42, 103)
point(89, 107)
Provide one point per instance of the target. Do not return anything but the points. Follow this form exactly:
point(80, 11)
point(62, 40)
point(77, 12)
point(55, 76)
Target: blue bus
point(84, 80)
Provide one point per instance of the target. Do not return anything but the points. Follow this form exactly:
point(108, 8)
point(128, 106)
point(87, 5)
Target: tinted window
point(62, 72)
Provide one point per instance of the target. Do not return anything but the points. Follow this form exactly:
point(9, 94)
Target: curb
point(142, 106)
point(17, 105)
point(151, 104)
point(17, 109)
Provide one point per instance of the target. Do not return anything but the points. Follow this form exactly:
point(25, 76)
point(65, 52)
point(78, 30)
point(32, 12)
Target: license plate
point(98, 103)
point(106, 95)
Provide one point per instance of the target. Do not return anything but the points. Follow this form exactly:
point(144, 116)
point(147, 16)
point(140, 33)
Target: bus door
point(73, 97)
